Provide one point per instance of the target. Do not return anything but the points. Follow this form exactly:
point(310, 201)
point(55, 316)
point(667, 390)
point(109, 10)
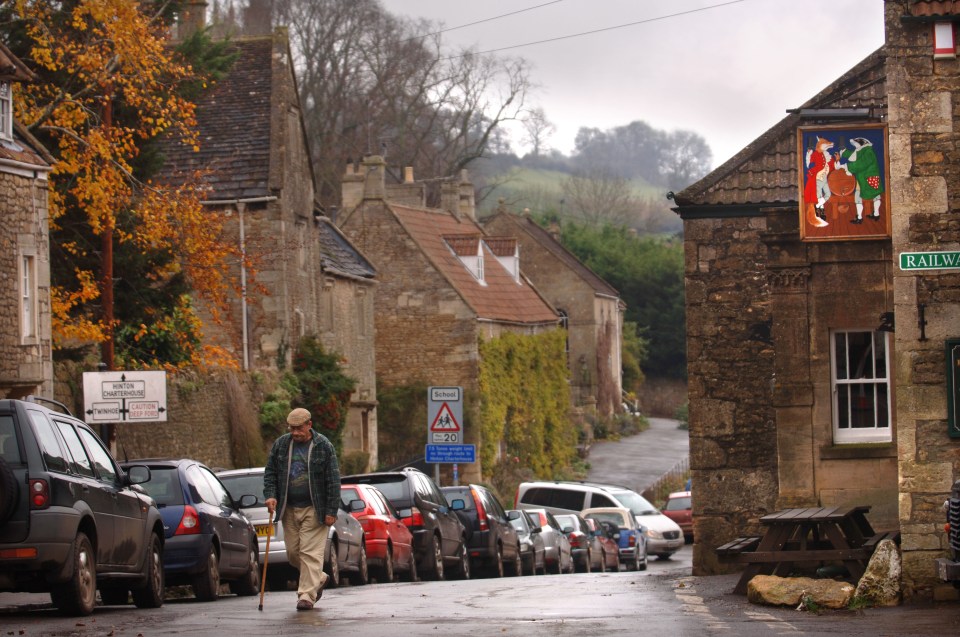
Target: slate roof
point(765, 171)
point(934, 8)
point(25, 148)
point(233, 120)
point(338, 256)
point(502, 298)
point(546, 240)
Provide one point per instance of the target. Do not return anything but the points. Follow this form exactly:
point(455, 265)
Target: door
point(232, 527)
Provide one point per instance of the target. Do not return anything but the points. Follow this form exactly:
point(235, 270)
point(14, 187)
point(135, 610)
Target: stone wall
point(25, 362)
point(924, 124)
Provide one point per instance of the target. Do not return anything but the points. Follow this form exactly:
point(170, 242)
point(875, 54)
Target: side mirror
point(513, 515)
point(356, 505)
point(458, 505)
point(138, 474)
point(536, 529)
point(248, 501)
point(404, 513)
point(567, 530)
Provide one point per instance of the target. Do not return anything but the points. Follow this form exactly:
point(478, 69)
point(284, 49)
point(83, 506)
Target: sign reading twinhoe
point(132, 396)
point(445, 427)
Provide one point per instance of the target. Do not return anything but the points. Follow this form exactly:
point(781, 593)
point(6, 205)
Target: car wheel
point(333, 564)
point(362, 576)
point(386, 575)
point(249, 584)
point(465, 566)
point(496, 566)
point(9, 491)
point(150, 595)
point(558, 566)
point(206, 585)
point(412, 571)
point(435, 565)
point(517, 569)
point(587, 566)
point(78, 596)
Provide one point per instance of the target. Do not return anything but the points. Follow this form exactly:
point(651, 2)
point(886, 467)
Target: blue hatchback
point(208, 539)
point(621, 525)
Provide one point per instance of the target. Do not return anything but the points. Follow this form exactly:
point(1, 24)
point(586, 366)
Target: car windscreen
point(677, 504)
point(637, 504)
point(164, 486)
point(241, 485)
point(9, 450)
point(518, 525)
point(614, 517)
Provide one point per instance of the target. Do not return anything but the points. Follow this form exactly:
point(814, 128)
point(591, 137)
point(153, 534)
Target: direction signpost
point(445, 429)
point(124, 396)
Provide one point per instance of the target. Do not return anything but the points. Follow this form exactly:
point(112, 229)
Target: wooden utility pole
point(106, 286)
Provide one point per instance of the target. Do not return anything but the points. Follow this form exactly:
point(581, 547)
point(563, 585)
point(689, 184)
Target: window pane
point(880, 354)
point(862, 406)
point(9, 450)
point(81, 463)
point(843, 406)
point(49, 445)
point(101, 458)
point(860, 348)
point(840, 355)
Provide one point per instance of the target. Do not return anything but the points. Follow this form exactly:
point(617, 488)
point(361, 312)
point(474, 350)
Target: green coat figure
point(862, 164)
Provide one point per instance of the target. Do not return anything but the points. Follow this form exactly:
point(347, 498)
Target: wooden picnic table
point(805, 536)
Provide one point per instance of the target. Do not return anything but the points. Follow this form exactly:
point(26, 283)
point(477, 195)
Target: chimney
point(408, 175)
point(467, 203)
point(257, 18)
point(450, 198)
point(374, 182)
point(351, 187)
point(192, 19)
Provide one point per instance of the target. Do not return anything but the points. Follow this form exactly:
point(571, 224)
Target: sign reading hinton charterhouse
point(135, 396)
point(929, 260)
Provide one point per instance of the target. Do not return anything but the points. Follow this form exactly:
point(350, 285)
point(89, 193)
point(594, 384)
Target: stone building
point(26, 363)
point(786, 295)
point(443, 284)
point(306, 277)
point(589, 307)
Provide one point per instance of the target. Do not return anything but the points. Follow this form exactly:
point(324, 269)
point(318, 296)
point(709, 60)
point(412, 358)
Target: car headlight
point(654, 535)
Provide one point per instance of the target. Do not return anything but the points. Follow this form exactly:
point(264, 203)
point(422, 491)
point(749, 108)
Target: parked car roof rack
point(40, 399)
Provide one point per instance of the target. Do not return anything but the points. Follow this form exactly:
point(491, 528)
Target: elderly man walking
point(301, 482)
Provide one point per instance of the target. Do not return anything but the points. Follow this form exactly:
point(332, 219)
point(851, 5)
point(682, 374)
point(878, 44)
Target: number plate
point(263, 530)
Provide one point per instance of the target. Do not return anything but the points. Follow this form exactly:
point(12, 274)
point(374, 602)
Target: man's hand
point(329, 520)
point(271, 504)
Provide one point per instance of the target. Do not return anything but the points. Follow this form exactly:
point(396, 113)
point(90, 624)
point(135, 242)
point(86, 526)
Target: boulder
point(791, 591)
point(880, 584)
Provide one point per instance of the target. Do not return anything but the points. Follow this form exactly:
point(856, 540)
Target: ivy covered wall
point(525, 404)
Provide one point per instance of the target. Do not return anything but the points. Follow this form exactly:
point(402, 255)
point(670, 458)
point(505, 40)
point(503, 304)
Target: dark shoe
point(857, 220)
point(322, 586)
point(304, 604)
point(875, 217)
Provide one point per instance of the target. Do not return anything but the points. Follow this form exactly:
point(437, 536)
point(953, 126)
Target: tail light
point(414, 519)
point(189, 522)
point(39, 494)
point(481, 512)
point(574, 540)
point(632, 541)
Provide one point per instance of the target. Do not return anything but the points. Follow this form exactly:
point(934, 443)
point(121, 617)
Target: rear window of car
point(554, 497)
point(459, 494)
point(241, 485)
point(9, 450)
point(164, 486)
point(677, 504)
point(616, 518)
point(392, 487)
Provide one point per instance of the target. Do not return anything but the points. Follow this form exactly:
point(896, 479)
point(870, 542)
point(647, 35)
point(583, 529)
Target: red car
point(679, 509)
point(388, 541)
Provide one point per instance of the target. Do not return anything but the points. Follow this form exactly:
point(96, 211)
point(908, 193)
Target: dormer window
point(507, 251)
point(468, 248)
point(6, 110)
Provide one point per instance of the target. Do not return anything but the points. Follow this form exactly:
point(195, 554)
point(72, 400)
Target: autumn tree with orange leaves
point(111, 84)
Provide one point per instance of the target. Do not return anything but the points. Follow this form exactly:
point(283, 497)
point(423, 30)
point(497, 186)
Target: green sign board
point(929, 260)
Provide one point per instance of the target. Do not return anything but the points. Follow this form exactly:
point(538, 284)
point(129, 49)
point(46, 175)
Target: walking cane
point(266, 560)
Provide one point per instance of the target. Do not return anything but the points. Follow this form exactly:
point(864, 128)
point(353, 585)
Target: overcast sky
point(726, 70)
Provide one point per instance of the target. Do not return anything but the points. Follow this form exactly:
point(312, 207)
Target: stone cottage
point(26, 362)
point(590, 309)
point(818, 358)
point(443, 284)
point(309, 278)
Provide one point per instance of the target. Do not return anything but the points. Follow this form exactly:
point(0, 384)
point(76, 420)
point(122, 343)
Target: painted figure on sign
point(862, 163)
point(816, 192)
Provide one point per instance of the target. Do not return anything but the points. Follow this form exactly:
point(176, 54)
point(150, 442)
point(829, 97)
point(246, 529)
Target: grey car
point(557, 552)
point(532, 552)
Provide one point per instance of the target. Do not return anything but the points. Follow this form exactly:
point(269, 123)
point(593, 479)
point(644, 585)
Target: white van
point(664, 537)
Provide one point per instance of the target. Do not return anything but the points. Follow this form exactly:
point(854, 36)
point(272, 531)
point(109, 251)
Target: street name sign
point(451, 453)
point(929, 260)
point(124, 396)
point(444, 415)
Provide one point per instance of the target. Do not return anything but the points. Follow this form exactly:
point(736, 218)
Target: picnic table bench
point(805, 536)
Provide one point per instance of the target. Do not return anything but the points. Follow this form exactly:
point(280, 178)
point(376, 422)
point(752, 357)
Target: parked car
point(679, 508)
point(584, 545)
point(621, 525)
point(531, 542)
point(610, 551)
point(208, 538)
point(344, 539)
point(439, 538)
point(72, 521)
point(388, 541)
point(663, 535)
point(491, 540)
point(557, 555)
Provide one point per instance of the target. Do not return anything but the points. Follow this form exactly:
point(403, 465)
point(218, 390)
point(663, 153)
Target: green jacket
point(324, 475)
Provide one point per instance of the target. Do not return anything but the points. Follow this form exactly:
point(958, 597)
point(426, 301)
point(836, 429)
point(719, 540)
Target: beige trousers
point(306, 540)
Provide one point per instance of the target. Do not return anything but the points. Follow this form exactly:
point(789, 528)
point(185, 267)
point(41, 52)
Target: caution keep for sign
point(444, 415)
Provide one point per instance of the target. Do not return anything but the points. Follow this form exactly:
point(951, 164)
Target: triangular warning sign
point(445, 420)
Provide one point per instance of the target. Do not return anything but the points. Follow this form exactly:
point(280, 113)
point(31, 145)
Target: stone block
point(918, 195)
point(922, 111)
point(793, 591)
point(880, 584)
point(930, 477)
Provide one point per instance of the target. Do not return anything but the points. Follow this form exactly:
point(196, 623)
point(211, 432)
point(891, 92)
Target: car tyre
point(464, 569)
point(412, 575)
point(9, 491)
point(387, 575)
point(206, 585)
point(517, 568)
point(435, 566)
point(558, 567)
point(496, 566)
point(249, 584)
point(587, 565)
point(78, 595)
point(333, 564)
point(150, 595)
point(362, 576)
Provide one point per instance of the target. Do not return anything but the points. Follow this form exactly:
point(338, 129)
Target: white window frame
point(29, 306)
point(6, 110)
point(866, 386)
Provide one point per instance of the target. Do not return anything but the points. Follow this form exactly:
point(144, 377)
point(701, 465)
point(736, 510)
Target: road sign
point(444, 415)
point(929, 260)
point(451, 453)
point(124, 396)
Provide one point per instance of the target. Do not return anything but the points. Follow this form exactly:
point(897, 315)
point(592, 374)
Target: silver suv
point(71, 521)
